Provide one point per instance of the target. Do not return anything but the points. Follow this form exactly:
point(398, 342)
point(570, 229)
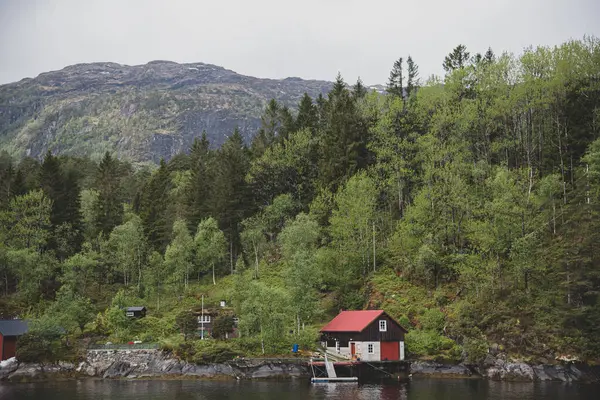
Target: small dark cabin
point(135, 312)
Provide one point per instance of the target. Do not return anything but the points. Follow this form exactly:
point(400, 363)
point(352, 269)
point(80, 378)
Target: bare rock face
point(510, 371)
point(7, 367)
point(501, 370)
point(142, 112)
point(155, 363)
point(439, 370)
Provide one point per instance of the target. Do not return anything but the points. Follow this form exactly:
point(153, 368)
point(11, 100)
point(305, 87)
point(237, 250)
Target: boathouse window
point(382, 325)
point(370, 347)
point(337, 346)
point(204, 319)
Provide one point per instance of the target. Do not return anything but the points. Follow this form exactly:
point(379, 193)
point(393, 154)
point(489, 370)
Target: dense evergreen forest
point(465, 206)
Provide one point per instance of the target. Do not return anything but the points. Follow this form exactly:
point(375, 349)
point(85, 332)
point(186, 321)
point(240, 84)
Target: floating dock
point(326, 370)
point(329, 371)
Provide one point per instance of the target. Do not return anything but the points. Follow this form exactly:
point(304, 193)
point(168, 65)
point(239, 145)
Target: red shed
point(370, 335)
point(10, 330)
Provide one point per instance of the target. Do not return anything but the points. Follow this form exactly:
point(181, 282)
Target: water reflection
point(417, 389)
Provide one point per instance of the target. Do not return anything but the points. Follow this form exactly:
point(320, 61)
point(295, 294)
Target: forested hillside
point(465, 206)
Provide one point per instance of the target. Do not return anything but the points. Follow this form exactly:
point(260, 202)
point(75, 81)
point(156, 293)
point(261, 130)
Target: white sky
point(279, 38)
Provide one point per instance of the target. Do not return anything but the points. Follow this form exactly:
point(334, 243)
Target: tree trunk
point(213, 274)
point(256, 260)
point(374, 258)
point(230, 255)
point(262, 340)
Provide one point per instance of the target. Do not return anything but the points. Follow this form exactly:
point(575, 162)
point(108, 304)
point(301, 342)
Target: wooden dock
point(329, 374)
point(326, 370)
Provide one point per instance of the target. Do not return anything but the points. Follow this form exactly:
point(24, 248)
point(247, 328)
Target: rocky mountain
point(141, 112)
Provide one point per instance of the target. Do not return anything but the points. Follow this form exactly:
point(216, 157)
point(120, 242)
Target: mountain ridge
point(142, 113)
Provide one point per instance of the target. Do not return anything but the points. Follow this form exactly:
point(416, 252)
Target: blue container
point(295, 348)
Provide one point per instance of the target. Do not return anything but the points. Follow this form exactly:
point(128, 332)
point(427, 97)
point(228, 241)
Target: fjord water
point(417, 389)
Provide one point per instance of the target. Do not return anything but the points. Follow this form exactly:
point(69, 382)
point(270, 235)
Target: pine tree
point(18, 187)
point(457, 59)
point(153, 205)
point(270, 128)
point(359, 90)
point(413, 77)
point(231, 199)
point(307, 114)
point(110, 196)
point(62, 188)
point(7, 178)
point(343, 141)
point(395, 84)
point(321, 106)
point(53, 186)
point(489, 56)
point(287, 123)
point(202, 171)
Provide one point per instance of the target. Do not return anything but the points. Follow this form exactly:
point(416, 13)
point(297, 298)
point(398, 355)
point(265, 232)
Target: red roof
point(352, 321)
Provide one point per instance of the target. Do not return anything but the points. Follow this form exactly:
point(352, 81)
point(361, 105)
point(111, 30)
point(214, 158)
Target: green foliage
point(465, 207)
point(476, 350)
point(433, 320)
point(71, 310)
point(221, 326)
point(117, 322)
point(179, 253)
point(428, 343)
point(187, 323)
point(43, 343)
point(210, 245)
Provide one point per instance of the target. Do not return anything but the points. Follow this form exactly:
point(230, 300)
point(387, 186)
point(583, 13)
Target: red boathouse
point(10, 330)
point(368, 335)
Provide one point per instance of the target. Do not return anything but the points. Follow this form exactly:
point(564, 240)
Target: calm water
point(418, 389)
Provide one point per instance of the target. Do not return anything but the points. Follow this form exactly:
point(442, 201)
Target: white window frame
point(337, 346)
point(382, 325)
point(204, 319)
point(370, 348)
point(129, 314)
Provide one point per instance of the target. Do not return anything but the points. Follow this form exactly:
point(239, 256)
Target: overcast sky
point(279, 38)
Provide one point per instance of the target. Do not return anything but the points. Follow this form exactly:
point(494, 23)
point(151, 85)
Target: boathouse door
point(390, 351)
point(352, 348)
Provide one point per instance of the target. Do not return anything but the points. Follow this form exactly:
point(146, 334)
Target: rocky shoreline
point(509, 371)
point(147, 364)
point(156, 364)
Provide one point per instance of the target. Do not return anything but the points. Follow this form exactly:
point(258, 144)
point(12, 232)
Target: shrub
point(43, 344)
point(212, 351)
point(428, 343)
point(222, 325)
point(152, 328)
point(187, 323)
point(405, 322)
point(476, 350)
point(433, 319)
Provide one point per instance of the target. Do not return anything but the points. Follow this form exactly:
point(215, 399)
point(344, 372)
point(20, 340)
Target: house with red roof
point(366, 335)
